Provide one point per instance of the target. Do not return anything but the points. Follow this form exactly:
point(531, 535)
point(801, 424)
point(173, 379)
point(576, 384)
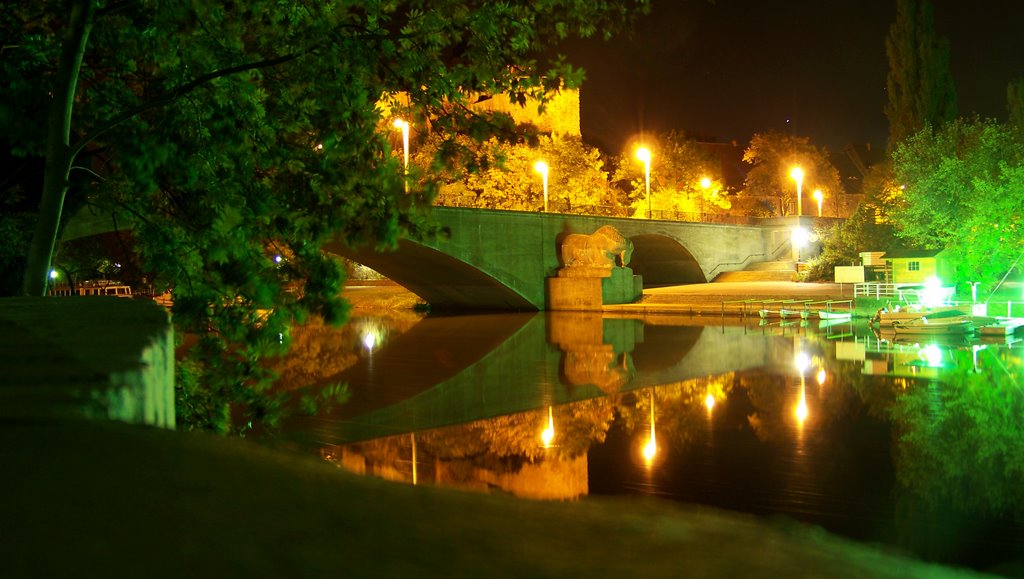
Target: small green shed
point(915, 266)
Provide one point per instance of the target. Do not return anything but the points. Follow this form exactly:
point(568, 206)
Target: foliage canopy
point(238, 137)
point(773, 156)
point(679, 166)
point(962, 193)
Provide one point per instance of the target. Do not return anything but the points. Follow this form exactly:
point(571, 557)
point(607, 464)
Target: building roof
point(911, 253)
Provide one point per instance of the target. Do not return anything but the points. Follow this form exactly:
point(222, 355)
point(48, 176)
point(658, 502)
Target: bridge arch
point(663, 260)
point(440, 279)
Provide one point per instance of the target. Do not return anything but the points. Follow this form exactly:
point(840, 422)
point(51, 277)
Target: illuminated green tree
point(505, 175)
point(774, 155)
point(231, 133)
point(961, 190)
point(678, 166)
point(920, 85)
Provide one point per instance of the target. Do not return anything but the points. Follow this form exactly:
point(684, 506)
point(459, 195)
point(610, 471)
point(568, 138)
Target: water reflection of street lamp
point(549, 433)
point(818, 196)
point(798, 175)
point(801, 406)
point(542, 168)
point(404, 125)
point(644, 155)
point(370, 340)
point(651, 448)
point(415, 478)
point(802, 363)
point(709, 402)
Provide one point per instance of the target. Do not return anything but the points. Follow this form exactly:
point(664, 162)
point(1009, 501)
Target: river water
point(917, 447)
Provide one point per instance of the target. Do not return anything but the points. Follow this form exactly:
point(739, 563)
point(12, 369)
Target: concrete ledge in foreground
point(86, 357)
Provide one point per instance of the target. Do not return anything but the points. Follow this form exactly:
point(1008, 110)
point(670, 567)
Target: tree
point(1015, 104)
point(960, 190)
point(920, 85)
point(773, 156)
point(237, 138)
point(869, 229)
point(678, 166)
point(507, 177)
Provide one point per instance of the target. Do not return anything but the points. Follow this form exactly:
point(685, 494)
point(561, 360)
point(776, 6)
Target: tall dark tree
point(1015, 104)
point(920, 84)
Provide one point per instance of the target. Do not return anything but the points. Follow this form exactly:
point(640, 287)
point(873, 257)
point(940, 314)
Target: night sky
point(721, 70)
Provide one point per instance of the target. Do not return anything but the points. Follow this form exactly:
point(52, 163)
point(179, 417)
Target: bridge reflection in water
point(455, 370)
point(901, 444)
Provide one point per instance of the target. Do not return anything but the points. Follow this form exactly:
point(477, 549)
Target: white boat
point(885, 318)
point(935, 324)
point(831, 315)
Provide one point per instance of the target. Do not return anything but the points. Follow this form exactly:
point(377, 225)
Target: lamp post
point(798, 175)
point(705, 184)
point(818, 196)
point(798, 240)
point(644, 155)
point(542, 168)
point(404, 125)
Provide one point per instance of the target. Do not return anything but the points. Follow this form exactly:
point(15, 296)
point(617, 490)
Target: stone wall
point(86, 357)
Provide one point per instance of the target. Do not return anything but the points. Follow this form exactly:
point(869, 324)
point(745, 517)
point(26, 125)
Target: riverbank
point(694, 299)
point(91, 499)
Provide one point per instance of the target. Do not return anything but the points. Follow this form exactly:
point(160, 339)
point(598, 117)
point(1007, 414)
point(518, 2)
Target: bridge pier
point(591, 293)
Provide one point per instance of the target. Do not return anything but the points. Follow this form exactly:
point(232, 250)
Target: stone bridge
point(499, 260)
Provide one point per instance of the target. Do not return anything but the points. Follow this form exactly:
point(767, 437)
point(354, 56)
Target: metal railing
point(562, 207)
point(884, 290)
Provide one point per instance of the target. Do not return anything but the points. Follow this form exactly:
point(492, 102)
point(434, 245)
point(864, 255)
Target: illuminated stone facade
point(561, 116)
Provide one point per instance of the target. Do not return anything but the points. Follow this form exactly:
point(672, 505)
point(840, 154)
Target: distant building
point(561, 116)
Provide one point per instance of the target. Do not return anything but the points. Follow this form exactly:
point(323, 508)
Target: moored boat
point(932, 324)
point(886, 318)
point(832, 315)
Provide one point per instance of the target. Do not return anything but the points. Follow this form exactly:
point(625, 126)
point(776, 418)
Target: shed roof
point(911, 253)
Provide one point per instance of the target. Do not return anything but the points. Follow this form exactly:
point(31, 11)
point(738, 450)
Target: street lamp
point(818, 196)
point(705, 184)
point(542, 168)
point(798, 240)
point(644, 155)
point(404, 125)
point(798, 175)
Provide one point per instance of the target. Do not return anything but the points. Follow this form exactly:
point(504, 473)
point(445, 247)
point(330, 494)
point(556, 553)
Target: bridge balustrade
point(561, 206)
